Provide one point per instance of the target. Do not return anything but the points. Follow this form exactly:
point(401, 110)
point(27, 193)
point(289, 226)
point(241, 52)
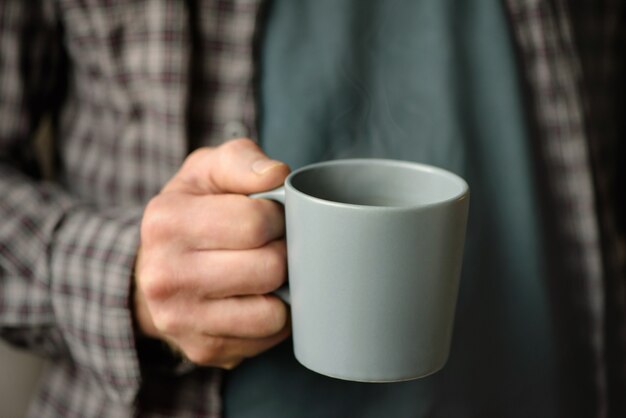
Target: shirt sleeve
point(65, 266)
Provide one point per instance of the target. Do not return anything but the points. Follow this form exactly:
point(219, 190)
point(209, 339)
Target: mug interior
point(382, 183)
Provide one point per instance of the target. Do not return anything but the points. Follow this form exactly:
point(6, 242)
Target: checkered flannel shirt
point(115, 80)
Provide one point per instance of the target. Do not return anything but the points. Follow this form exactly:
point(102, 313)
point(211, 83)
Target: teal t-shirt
point(433, 81)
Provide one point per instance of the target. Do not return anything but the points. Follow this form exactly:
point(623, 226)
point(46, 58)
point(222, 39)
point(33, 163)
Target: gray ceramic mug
point(374, 258)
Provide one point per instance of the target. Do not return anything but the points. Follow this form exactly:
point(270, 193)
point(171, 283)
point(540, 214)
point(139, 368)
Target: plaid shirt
point(114, 79)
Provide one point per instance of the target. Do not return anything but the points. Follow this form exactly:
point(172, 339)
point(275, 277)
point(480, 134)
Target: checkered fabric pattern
point(552, 71)
point(602, 48)
point(572, 52)
point(114, 76)
point(132, 86)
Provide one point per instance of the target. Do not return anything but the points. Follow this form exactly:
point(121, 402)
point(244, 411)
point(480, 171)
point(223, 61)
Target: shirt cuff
point(91, 263)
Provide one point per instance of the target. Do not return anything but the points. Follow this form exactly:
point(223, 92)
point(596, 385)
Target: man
point(143, 272)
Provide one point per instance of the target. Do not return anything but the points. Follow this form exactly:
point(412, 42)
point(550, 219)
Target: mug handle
point(277, 195)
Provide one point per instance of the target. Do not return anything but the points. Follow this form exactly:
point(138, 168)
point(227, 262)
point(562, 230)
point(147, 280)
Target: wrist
point(141, 314)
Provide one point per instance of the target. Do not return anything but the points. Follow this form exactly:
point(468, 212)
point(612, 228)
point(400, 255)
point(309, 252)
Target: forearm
point(65, 278)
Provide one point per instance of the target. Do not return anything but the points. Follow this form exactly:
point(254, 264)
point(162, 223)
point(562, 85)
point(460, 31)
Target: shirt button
point(235, 129)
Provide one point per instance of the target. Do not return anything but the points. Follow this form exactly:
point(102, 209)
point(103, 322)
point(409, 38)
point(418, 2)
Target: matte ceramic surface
point(374, 255)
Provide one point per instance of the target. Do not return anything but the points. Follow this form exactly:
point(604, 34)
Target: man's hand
point(210, 255)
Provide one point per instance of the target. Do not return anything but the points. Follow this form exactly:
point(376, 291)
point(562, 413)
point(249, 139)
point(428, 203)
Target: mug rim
point(461, 195)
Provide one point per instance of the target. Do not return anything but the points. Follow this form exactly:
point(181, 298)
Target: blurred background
point(20, 370)
point(19, 373)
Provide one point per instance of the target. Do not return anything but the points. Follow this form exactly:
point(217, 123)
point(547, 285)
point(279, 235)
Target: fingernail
point(263, 166)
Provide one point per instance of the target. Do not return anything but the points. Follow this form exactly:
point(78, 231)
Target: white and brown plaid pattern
point(571, 52)
point(601, 45)
point(119, 73)
point(552, 71)
point(132, 86)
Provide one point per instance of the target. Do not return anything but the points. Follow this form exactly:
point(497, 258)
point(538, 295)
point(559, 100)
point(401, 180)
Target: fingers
point(220, 274)
point(228, 352)
point(238, 166)
point(226, 296)
point(235, 222)
point(222, 332)
point(247, 317)
point(209, 254)
point(212, 222)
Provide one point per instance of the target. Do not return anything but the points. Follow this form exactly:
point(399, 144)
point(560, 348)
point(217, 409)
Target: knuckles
point(166, 322)
point(274, 265)
point(235, 146)
point(258, 225)
point(229, 153)
point(270, 316)
point(208, 353)
point(253, 230)
point(157, 223)
point(156, 283)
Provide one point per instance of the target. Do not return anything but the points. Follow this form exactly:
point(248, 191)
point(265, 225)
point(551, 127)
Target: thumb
point(237, 166)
